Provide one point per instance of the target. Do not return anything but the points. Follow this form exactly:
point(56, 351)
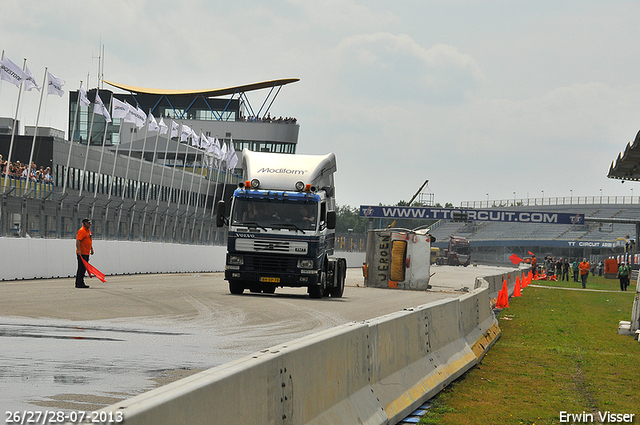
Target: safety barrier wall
point(495, 282)
point(24, 258)
point(372, 372)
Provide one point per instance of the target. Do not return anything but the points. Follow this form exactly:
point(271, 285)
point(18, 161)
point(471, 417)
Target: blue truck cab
point(282, 226)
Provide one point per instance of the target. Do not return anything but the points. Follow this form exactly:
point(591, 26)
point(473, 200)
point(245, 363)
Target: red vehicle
point(457, 254)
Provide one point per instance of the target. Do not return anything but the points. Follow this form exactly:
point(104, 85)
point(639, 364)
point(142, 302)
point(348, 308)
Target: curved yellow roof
point(207, 92)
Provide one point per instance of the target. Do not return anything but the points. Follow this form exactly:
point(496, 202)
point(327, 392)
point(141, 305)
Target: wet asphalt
point(68, 349)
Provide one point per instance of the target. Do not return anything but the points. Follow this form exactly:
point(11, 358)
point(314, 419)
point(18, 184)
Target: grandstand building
point(133, 183)
point(610, 230)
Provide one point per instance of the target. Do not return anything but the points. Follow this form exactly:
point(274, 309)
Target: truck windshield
point(274, 214)
point(463, 250)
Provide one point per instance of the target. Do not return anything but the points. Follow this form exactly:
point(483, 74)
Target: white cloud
point(476, 96)
point(395, 67)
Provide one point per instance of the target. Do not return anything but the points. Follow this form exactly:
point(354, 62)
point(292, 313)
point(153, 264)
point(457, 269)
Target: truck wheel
point(340, 272)
point(317, 291)
point(235, 287)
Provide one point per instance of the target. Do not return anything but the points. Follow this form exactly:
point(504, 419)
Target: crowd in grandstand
point(18, 170)
point(268, 118)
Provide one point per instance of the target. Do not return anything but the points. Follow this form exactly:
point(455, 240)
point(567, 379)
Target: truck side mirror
point(331, 219)
point(220, 210)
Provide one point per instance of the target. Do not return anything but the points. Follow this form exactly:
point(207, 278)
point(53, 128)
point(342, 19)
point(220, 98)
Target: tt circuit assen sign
point(470, 215)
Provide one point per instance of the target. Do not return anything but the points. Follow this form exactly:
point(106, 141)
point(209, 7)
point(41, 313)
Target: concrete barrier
point(26, 258)
point(374, 372)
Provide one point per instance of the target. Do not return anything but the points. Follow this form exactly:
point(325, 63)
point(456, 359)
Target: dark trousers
point(575, 275)
point(624, 282)
point(81, 270)
point(584, 279)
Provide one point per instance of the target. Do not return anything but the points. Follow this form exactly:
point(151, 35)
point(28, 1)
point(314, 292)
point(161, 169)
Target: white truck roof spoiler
point(277, 171)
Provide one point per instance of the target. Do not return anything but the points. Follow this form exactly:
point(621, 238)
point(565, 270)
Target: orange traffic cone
point(503, 296)
point(516, 291)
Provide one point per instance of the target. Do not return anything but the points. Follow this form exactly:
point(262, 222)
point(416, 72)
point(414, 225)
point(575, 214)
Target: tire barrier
point(372, 372)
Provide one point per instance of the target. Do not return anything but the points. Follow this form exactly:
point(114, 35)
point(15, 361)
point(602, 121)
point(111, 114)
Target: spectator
point(576, 270)
point(565, 269)
point(624, 271)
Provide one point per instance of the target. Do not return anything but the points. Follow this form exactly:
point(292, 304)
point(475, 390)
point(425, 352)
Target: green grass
point(559, 351)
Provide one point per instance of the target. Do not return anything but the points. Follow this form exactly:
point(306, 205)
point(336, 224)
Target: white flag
point(186, 133)
point(231, 151)
point(175, 128)
point(163, 127)
point(84, 100)
point(119, 109)
point(211, 146)
point(195, 139)
point(54, 85)
point(233, 161)
point(204, 142)
point(136, 116)
point(223, 153)
point(217, 151)
point(11, 72)
point(153, 124)
point(99, 108)
point(30, 82)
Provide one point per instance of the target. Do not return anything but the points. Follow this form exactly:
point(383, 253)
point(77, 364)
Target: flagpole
point(173, 174)
point(73, 131)
point(13, 129)
point(35, 133)
point(1, 58)
point(86, 155)
point(104, 141)
point(215, 193)
point(153, 162)
point(115, 155)
point(206, 196)
point(126, 174)
point(166, 152)
point(184, 166)
point(126, 177)
point(193, 175)
point(139, 181)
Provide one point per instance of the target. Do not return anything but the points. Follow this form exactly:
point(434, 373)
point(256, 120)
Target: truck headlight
point(236, 259)
point(305, 264)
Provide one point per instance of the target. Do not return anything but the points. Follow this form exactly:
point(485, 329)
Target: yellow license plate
point(270, 279)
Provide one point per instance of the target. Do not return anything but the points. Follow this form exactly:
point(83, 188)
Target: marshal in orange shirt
point(84, 237)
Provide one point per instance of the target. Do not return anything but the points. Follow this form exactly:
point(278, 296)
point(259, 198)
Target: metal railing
point(560, 200)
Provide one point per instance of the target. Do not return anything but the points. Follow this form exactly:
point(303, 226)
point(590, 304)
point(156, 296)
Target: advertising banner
point(431, 213)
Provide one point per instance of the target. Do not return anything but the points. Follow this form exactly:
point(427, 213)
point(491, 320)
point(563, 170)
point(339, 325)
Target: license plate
point(270, 279)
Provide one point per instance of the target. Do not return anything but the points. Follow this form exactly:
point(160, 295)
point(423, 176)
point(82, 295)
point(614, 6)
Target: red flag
point(531, 253)
point(92, 270)
point(515, 259)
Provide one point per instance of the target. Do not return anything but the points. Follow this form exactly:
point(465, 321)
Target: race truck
point(458, 253)
point(282, 225)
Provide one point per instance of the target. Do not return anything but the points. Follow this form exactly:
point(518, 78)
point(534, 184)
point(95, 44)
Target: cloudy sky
point(482, 98)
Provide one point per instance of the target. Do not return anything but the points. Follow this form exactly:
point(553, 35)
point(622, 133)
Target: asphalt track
point(82, 349)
